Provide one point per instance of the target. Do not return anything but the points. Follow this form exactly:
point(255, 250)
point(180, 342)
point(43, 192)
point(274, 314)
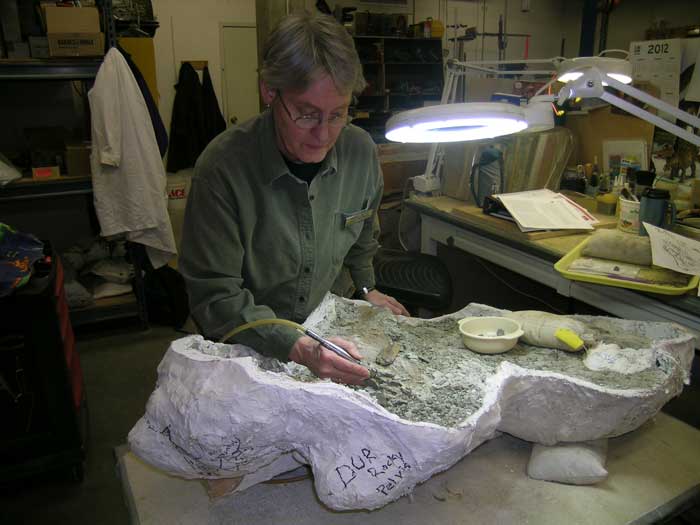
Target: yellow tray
point(562, 266)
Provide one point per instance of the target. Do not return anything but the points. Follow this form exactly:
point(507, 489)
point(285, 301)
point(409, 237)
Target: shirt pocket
point(347, 227)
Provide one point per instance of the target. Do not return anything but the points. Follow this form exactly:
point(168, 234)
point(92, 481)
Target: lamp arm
point(545, 86)
point(482, 66)
point(654, 102)
point(650, 117)
point(590, 85)
point(505, 72)
point(432, 167)
point(554, 61)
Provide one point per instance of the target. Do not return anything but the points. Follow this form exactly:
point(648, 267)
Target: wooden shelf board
point(117, 307)
point(380, 37)
point(63, 178)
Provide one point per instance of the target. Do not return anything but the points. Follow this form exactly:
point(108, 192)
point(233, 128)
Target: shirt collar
point(272, 157)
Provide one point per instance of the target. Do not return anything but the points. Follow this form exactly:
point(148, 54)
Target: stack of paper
point(545, 210)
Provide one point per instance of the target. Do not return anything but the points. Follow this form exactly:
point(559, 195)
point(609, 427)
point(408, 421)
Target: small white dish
point(489, 335)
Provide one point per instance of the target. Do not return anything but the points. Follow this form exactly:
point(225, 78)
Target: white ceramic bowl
point(490, 335)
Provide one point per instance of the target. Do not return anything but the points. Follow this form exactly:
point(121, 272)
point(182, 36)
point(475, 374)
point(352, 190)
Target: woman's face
point(308, 123)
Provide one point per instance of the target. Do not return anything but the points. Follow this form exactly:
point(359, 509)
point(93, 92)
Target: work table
point(653, 472)
point(464, 226)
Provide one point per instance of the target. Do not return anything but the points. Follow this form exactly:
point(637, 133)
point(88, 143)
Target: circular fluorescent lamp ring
point(617, 68)
point(456, 122)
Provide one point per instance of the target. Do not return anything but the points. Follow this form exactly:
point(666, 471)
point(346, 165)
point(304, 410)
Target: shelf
point(118, 307)
point(422, 95)
point(26, 188)
point(375, 37)
point(49, 69)
point(405, 63)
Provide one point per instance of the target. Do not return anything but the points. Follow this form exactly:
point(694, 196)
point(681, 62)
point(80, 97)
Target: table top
point(552, 244)
point(652, 471)
point(551, 248)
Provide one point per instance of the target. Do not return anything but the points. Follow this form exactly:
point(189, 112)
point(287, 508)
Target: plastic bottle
point(427, 28)
point(606, 203)
point(437, 29)
point(595, 173)
point(593, 185)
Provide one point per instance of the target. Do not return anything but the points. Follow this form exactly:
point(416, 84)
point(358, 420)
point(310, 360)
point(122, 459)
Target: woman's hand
point(326, 364)
point(377, 298)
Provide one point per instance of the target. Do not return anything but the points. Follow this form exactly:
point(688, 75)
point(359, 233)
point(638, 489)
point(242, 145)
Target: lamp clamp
point(589, 85)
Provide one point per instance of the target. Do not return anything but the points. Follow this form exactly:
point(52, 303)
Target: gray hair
point(306, 46)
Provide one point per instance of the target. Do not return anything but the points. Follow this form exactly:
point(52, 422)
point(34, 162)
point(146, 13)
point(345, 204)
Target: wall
point(191, 31)
point(548, 21)
point(269, 13)
point(629, 21)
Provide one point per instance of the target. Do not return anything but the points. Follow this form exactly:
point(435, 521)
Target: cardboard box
point(399, 162)
point(46, 173)
point(17, 49)
point(73, 31)
point(76, 44)
point(590, 130)
point(78, 159)
point(143, 54)
point(39, 46)
point(72, 20)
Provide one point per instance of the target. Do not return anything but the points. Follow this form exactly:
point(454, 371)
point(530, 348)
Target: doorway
point(240, 76)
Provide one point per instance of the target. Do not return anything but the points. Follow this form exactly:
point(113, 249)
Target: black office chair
point(416, 280)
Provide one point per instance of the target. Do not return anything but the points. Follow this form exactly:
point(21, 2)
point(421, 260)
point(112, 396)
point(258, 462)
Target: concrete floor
point(120, 372)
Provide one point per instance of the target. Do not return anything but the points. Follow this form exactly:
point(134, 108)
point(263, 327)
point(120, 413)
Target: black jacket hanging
point(158, 126)
point(187, 137)
point(214, 122)
point(196, 118)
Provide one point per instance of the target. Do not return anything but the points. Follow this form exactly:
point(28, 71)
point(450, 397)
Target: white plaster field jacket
point(128, 176)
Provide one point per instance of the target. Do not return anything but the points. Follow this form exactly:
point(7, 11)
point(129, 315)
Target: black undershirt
point(305, 171)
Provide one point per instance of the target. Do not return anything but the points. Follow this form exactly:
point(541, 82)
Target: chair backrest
point(413, 279)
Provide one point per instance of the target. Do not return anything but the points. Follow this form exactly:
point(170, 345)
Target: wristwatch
point(366, 290)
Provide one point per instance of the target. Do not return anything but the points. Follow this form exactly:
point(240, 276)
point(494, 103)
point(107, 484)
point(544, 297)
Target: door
point(240, 58)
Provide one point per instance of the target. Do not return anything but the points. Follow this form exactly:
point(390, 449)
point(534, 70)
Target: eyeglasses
point(312, 120)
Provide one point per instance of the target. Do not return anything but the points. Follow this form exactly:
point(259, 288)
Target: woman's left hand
point(377, 298)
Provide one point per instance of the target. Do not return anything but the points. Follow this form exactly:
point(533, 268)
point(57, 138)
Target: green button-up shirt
point(260, 243)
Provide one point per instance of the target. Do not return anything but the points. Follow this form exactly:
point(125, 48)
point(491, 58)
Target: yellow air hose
point(261, 322)
point(305, 331)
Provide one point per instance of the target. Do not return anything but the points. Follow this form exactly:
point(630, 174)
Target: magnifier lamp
point(585, 77)
point(456, 122)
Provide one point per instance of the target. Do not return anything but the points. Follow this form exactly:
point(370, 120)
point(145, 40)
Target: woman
point(281, 203)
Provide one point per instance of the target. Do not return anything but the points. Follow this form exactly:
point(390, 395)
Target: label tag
point(351, 218)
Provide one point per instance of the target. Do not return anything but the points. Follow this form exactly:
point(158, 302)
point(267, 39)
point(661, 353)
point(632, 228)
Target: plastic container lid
point(656, 193)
